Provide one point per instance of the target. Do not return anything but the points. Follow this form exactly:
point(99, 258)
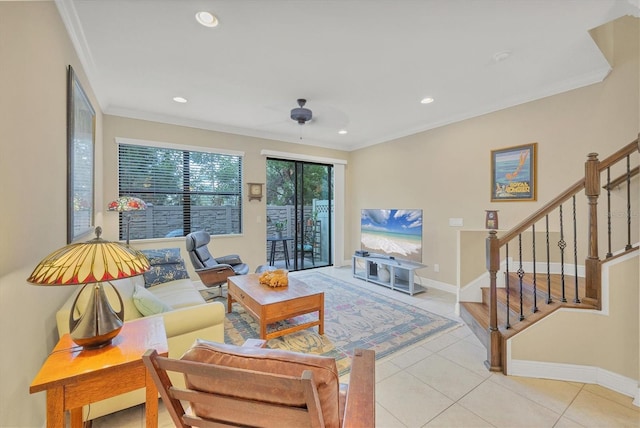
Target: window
point(185, 190)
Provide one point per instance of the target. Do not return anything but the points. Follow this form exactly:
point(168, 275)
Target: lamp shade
point(96, 260)
point(92, 262)
point(127, 203)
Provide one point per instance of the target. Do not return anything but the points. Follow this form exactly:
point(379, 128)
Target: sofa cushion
point(147, 303)
point(178, 294)
point(166, 265)
point(325, 373)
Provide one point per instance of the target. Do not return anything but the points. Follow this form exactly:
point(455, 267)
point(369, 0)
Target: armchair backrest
point(199, 254)
point(248, 386)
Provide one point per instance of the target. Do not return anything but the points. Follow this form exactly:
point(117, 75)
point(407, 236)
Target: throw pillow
point(147, 303)
point(166, 265)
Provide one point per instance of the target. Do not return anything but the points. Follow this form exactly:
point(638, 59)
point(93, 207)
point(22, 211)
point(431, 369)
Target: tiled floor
point(443, 383)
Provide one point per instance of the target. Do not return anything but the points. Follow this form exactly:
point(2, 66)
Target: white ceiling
point(362, 65)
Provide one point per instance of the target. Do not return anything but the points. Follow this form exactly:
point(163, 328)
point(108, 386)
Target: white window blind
point(185, 190)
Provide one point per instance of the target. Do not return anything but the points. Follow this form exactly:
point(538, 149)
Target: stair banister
point(494, 350)
point(591, 185)
point(592, 263)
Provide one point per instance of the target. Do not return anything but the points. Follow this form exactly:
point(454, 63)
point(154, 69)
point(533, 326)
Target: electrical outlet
point(455, 222)
point(436, 267)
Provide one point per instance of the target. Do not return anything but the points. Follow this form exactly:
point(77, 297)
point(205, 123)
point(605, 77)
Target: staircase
point(542, 277)
point(538, 303)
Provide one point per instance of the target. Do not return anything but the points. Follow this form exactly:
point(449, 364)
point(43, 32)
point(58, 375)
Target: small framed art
point(513, 173)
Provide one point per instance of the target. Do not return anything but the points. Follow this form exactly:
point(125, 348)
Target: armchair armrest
point(231, 259)
point(360, 406)
point(215, 275)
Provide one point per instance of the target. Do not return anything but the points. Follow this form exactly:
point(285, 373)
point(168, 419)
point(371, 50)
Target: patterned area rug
point(354, 318)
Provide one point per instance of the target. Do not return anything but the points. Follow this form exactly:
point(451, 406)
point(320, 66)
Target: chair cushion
point(147, 303)
point(166, 265)
point(325, 373)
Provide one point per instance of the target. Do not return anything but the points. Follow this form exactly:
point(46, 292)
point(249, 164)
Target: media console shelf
point(401, 272)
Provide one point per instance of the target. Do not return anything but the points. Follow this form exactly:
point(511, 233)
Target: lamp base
point(99, 323)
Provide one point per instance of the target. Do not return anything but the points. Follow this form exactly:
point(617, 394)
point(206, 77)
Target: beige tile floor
point(442, 382)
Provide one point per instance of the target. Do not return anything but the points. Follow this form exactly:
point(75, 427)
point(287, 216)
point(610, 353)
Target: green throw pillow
point(147, 303)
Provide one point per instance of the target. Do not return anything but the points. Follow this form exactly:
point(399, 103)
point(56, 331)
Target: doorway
point(299, 214)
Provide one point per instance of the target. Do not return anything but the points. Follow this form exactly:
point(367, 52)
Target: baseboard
point(576, 373)
point(430, 283)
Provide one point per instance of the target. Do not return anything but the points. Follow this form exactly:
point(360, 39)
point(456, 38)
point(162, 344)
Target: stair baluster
point(575, 251)
point(520, 274)
point(506, 278)
point(549, 298)
point(628, 246)
point(534, 309)
point(609, 253)
point(562, 244)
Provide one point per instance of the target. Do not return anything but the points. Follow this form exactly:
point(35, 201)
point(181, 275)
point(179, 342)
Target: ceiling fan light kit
point(301, 114)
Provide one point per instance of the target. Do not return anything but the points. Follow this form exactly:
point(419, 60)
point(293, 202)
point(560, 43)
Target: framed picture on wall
point(80, 159)
point(513, 173)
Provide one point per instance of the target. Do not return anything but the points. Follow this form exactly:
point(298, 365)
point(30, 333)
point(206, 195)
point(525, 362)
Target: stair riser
point(476, 328)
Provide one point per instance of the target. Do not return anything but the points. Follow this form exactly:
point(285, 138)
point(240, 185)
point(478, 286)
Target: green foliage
point(313, 183)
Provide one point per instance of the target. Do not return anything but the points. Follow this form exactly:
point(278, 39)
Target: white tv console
point(401, 272)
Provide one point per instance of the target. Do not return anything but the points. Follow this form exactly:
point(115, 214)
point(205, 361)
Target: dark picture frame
point(514, 173)
point(81, 118)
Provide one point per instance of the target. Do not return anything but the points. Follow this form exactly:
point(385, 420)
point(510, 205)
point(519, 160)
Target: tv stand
point(400, 272)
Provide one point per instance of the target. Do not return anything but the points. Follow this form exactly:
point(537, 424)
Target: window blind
point(185, 190)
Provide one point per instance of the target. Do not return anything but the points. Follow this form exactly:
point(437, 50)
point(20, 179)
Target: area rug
point(354, 318)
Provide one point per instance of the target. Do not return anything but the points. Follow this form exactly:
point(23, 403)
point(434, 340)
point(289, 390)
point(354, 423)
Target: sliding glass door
point(299, 214)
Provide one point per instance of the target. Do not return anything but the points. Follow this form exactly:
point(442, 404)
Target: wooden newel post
point(494, 351)
point(592, 263)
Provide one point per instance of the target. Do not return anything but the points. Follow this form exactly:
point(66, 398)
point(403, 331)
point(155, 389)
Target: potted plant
point(279, 226)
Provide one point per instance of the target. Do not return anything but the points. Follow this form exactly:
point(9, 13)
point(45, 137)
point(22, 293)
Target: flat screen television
point(392, 233)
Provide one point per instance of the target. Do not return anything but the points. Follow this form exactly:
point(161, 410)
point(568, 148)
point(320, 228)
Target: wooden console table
point(74, 377)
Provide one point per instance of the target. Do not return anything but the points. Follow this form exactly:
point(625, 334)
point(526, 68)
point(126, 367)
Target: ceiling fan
point(301, 114)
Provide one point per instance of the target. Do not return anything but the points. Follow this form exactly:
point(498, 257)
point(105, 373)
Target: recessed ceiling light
point(427, 100)
point(207, 19)
point(180, 100)
point(342, 131)
point(501, 56)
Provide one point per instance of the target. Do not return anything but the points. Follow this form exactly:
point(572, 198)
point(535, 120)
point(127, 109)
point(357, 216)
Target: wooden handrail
point(546, 209)
point(619, 155)
point(622, 179)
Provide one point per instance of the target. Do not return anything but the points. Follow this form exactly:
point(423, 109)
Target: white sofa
point(190, 318)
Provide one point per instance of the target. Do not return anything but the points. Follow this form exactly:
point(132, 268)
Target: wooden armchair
point(228, 385)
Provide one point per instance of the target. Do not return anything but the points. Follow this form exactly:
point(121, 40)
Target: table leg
point(76, 418)
point(286, 253)
point(272, 256)
point(55, 407)
point(321, 316)
point(151, 405)
point(229, 302)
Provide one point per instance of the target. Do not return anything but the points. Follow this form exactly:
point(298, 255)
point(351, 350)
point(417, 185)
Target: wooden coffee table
point(272, 304)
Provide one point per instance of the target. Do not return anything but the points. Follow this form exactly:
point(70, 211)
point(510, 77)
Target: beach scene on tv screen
point(396, 233)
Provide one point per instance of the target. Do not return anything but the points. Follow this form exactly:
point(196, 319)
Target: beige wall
point(444, 172)
point(35, 51)
point(568, 336)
